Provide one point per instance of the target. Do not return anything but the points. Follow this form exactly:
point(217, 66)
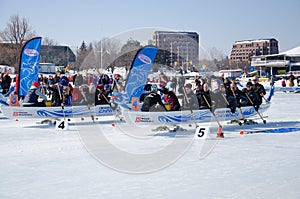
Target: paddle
point(243, 116)
point(92, 116)
point(188, 102)
point(209, 106)
point(264, 121)
point(89, 108)
point(62, 103)
point(240, 123)
point(113, 108)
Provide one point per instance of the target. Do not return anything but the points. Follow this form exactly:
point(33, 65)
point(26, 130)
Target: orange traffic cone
point(220, 133)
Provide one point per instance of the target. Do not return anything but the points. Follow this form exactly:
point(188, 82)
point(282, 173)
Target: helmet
point(154, 87)
point(147, 87)
point(117, 76)
point(64, 81)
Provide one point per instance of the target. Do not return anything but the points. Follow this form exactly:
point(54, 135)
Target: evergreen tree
point(82, 53)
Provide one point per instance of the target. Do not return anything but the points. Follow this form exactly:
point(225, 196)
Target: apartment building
point(183, 46)
point(242, 51)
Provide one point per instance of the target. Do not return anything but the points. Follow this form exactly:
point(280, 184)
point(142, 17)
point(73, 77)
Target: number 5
point(201, 132)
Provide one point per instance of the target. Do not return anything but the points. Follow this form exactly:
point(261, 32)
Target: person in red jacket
point(171, 99)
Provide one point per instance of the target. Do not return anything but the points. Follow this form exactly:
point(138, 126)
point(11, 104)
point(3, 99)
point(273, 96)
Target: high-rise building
point(242, 51)
point(183, 46)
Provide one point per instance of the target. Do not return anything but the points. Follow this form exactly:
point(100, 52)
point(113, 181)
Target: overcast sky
point(219, 23)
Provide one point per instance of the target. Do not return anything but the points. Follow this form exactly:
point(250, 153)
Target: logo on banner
point(31, 52)
point(145, 59)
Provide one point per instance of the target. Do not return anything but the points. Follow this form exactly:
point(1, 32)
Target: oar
point(243, 116)
point(62, 103)
point(240, 123)
point(89, 108)
point(264, 121)
point(187, 101)
point(220, 132)
point(113, 108)
point(92, 116)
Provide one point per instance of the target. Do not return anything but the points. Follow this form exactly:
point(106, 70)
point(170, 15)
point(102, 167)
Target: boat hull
point(188, 116)
point(56, 112)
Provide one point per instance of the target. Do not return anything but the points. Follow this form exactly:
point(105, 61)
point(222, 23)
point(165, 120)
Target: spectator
point(291, 79)
point(5, 84)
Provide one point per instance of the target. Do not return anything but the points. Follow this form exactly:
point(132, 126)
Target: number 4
point(62, 125)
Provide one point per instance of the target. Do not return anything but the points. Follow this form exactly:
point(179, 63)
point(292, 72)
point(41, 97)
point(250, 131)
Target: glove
point(232, 109)
point(256, 107)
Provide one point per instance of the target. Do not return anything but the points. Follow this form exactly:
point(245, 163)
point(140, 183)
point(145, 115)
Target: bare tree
point(16, 32)
point(214, 59)
point(49, 42)
point(107, 49)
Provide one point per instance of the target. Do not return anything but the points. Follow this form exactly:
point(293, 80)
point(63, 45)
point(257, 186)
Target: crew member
point(152, 101)
point(31, 97)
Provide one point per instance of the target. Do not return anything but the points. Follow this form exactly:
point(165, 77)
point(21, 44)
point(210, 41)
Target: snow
point(38, 161)
point(293, 51)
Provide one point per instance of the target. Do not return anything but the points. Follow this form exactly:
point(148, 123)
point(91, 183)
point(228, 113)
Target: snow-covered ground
point(37, 161)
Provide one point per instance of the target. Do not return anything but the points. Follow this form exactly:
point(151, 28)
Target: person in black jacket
point(152, 101)
point(32, 96)
point(219, 96)
point(259, 89)
point(102, 94)
point(147, 89)
point(235, 97)
point(5, 84)
point(190, 101)
point(203, 97)
point(55, 96)
point(253, 99)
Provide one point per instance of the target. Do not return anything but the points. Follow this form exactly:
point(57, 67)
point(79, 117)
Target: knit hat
point(147, 87)
point(64, 81)
point(36, 84)
point(249, 84)
point(188, 86)
point(164, 90)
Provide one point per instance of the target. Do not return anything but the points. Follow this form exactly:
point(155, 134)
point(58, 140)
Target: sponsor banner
point(29, 65)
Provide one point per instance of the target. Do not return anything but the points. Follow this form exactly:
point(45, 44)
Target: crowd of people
point(67, 91)
point(161, 94)
point(227, 95)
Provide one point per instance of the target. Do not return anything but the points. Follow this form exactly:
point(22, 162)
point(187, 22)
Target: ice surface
point(37, 161)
